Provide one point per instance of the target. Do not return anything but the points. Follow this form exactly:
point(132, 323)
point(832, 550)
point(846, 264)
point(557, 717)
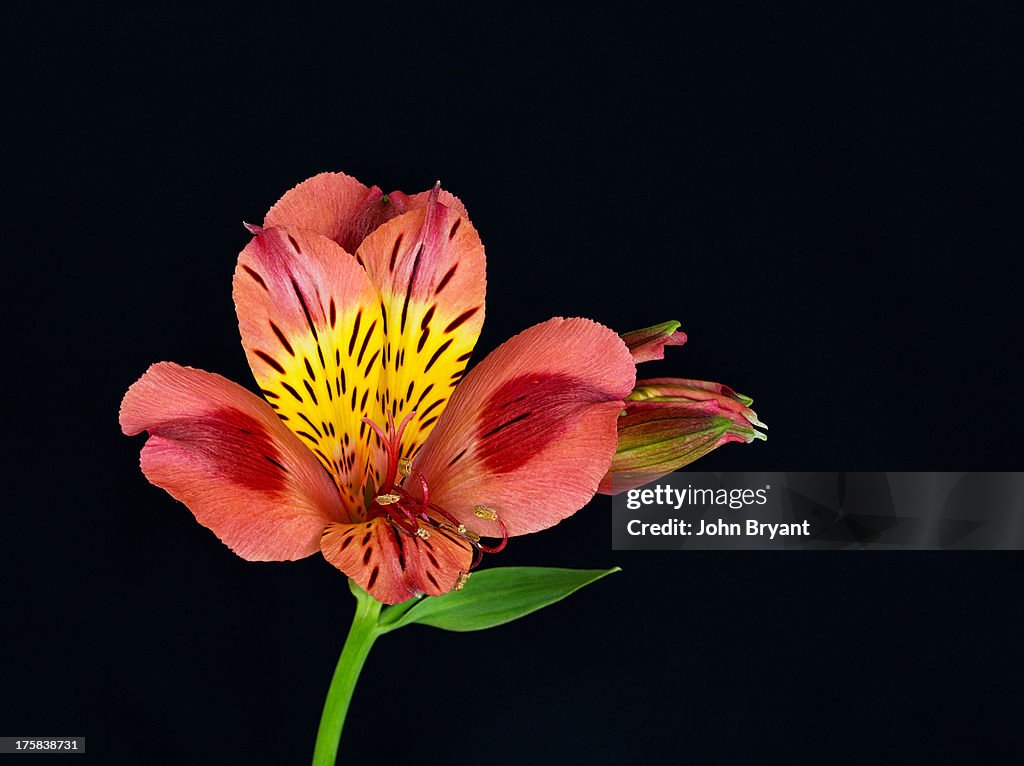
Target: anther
point(387, 499)
point(461, 529)
point(423, 532)
point(404, 467)
point(471, 535)
point(483, 512)
point(460, 583)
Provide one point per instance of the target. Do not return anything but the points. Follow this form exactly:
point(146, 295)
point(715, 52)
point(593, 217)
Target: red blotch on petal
point(527, 413)
point(233, 445)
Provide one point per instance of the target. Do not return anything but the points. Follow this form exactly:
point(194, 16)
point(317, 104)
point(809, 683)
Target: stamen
point(483, 512)
point(423, 533)
point(400, 519)
point(387, 499)
point(444, 513)
point(500, 546)
point(395, 447)
point(461, 529)
point(401, 427)
point(391, 440)
point(404, 467)
point(460, 582)
point(425, 503)
point(379, 431)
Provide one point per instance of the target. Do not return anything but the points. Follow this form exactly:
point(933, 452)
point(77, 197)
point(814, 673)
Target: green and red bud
point(670, 422)
point(688, 391)
point(648, 344)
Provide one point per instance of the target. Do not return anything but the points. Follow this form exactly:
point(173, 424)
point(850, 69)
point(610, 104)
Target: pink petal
point(531, 430)
point(339, 207)
point(394, 567)
point(220, 450)
point(429, 268)
point(312, 330)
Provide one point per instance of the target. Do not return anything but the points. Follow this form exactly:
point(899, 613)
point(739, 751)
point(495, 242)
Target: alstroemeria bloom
point(364, 447)
point(670, 422)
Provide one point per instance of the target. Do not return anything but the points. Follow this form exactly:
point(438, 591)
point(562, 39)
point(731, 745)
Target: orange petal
point(312, 330)
point(219, 449)
point(339, 207)
point(394, 567)
point(429, 268)
point(531, 430)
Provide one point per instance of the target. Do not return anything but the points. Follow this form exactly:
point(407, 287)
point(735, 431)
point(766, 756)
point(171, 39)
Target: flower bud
point(670, 422)
point(648, 344)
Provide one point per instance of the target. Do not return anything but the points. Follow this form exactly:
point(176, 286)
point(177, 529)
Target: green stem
point(361, 635)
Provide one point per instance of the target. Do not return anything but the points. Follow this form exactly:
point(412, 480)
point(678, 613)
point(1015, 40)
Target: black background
point(828, 200)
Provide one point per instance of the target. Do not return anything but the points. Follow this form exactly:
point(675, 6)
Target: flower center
point(418, 517)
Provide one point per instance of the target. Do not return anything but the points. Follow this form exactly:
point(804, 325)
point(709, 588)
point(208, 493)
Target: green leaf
point(496, 596)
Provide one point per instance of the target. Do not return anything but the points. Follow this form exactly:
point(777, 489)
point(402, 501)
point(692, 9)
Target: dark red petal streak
point(231, 444)
point(527, 413)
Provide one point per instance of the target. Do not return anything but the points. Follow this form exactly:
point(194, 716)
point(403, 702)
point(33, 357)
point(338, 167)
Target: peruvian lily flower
point(668, 423)
point(358, 313)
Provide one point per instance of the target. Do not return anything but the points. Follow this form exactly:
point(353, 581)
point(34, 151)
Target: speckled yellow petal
point(312, 330)
point(429, 268)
